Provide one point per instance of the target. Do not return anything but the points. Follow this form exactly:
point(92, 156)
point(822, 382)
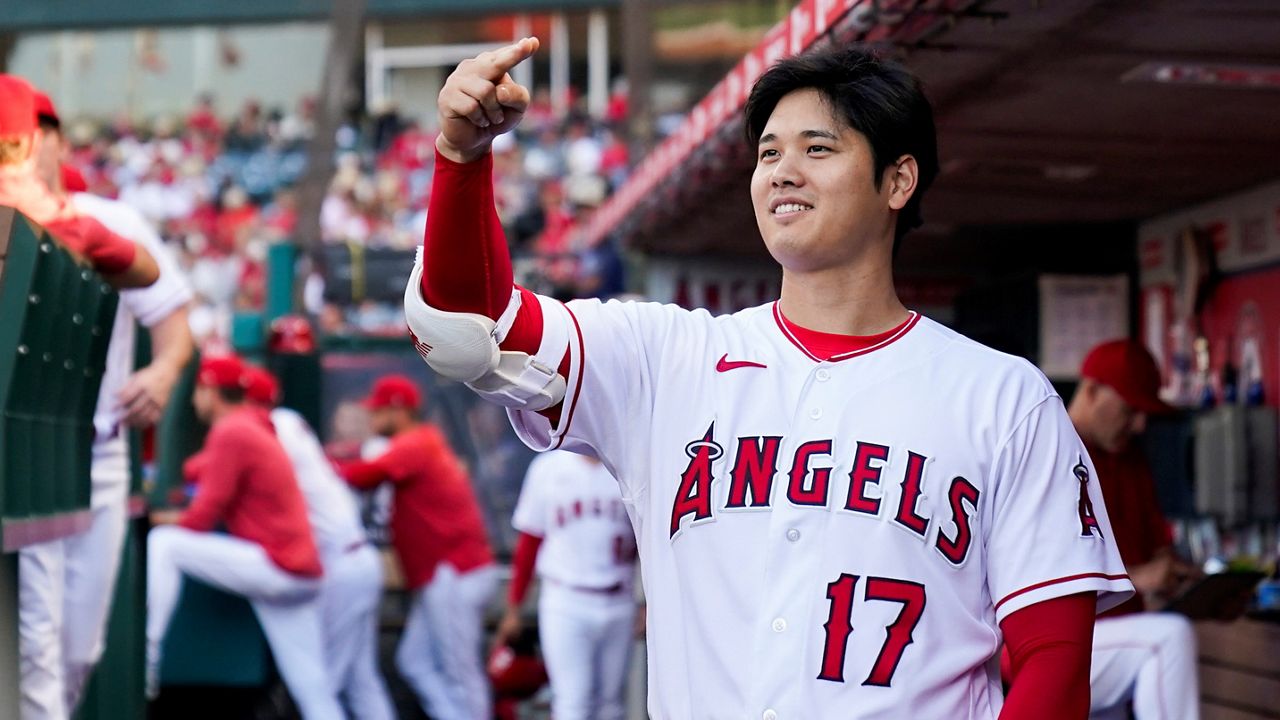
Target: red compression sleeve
point(522, 564)
point(110, 253)
point(1049, 646)
point(466, 263)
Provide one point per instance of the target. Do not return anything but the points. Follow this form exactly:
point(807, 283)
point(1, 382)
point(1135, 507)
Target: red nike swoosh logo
point(725, 364)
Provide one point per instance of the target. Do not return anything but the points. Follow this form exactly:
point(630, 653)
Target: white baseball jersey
point(831, 538)
point(331, 507)
point(574, 504)
point(147, 305)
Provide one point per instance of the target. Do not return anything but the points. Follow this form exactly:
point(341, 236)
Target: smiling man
point(841, 507)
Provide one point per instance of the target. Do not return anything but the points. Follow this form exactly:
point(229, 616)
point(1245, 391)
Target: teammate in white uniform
point(841, 506)
point(352, 568)
point(67, 585)
point(570, 510)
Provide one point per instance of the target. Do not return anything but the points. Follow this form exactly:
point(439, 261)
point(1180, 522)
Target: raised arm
point(469, 321)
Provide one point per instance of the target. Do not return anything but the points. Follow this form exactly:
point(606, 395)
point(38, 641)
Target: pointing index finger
point(510, 56)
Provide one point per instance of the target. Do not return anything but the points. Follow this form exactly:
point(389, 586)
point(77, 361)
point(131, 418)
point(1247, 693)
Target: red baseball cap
point(224, 371)
point(1128, 368)
point(261, 386)
point(72, 179)
point(394, 391)
point(45, 109)
point(17, 107)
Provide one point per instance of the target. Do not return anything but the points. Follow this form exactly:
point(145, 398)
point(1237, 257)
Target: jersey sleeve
point(1049, 534)
point(530, 515)
point(614, 349)
point(399, 460)
point(170, 291)
point(219, 478)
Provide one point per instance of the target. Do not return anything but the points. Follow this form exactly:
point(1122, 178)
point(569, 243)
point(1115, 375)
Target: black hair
point(875, 96)
point(231, 395)
point(48, 123)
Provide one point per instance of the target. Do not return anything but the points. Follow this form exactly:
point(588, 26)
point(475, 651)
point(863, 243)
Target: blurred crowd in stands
point(221, 191)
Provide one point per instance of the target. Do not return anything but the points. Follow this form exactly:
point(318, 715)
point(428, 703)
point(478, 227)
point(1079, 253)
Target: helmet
point(291, 334)
point(515, 675)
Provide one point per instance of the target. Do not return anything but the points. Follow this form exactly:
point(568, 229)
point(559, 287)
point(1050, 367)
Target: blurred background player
point(245, 482)
point(67, 585)
point(444, 551)
point(352, 567)
point(121, 263)
point(1148, 659)
point(572, 520)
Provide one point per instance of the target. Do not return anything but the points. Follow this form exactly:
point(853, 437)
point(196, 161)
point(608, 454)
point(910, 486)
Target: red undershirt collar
point(833, 346)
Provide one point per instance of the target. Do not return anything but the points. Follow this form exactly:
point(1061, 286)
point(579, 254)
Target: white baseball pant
point(440, 654)
point(66, 587)
point(349, 608)
point(1149, 659)
point(587, 641)
point(287, 607)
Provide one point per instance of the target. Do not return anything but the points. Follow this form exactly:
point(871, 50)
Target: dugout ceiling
point(1050, 112)
point(27, 15)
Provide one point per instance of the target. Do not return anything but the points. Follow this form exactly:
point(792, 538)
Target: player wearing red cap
point(1148, 659)
point(352, 567)
point(121, 262)
point(244, 481)
point(67, 585)
point(440, 538)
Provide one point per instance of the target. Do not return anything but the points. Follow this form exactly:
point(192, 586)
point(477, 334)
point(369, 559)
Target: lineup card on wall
point(1076, 313)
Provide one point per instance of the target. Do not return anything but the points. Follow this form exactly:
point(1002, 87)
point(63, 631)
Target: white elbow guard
point(464, 347)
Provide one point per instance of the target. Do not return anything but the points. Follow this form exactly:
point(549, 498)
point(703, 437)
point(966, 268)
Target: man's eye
point(819, 148)
point(768, 153)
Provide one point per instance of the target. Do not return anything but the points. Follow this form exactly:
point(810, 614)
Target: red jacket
point(247, 483)
point(435, 516)
point(1140, 528)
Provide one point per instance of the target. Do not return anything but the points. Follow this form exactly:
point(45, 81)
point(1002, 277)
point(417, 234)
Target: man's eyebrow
point(819, 134)
point(770, 137)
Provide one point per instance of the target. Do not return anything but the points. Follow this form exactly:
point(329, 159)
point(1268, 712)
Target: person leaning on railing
point(121, 263)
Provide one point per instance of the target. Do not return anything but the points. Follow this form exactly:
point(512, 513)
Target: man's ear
point(1089, 389)
point(901, 178)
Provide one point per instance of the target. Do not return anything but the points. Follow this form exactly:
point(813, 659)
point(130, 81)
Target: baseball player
point(572, 520)
point(440, 539)
point(352, 567)
point(66, 586)
point(841, 507)
point(1148, 659)
point(245, 482)
point(121, 263)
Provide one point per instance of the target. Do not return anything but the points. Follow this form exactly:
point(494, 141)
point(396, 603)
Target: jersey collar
point(832, 347)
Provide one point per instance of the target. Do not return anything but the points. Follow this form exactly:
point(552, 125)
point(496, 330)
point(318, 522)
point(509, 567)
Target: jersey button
point(815, 413)
point(770, 714)
point(823, 375)
point(793, 534)
point(779, 625)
